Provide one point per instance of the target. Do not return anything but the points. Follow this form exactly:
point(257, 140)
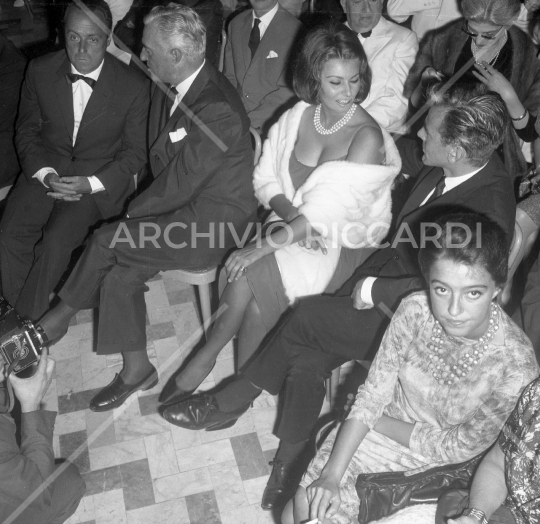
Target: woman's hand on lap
point(241, 259)
point(314, 242)
point(323, 498)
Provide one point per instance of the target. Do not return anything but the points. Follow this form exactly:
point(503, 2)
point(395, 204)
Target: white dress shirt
point(449, 183)
point(427, 14)
point(183, 88)
point(81, 94)
point(265, 19)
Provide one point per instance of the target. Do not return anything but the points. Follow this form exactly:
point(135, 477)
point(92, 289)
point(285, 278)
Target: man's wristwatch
point(478, 515)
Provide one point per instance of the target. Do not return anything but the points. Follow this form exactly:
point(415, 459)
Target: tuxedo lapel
point(96, 108)
point(376, 43)
point(427, 181)
point(64, 94)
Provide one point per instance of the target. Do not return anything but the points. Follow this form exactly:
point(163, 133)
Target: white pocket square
point(272, 54)
point(177, 135)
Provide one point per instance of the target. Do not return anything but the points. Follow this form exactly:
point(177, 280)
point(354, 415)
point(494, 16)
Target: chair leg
point(332, 385)
point(206, 309)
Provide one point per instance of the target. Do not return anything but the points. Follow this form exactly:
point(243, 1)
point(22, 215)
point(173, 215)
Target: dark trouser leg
point(530, 307)
point(27, 211)
point(112, 274)
point(66, 229)
point(68, 490)
point(454, 502)
point(320, 334)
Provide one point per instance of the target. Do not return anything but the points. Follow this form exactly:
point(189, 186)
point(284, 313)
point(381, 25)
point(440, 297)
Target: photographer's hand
point(30, 391)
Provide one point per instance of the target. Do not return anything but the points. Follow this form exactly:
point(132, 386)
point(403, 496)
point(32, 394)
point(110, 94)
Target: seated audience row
point(326, 173)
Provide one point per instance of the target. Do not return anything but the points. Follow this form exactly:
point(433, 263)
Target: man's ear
point(176, 55)
point(456, 154)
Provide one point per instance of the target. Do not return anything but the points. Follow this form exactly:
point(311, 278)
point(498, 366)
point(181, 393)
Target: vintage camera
point(20, 342)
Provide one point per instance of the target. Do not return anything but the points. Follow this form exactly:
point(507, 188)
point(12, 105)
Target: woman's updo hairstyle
point(495, 12)
point(321, 44)
point(465, 238)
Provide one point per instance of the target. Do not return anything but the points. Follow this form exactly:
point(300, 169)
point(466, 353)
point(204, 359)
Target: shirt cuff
point(42, 173)
point(95, 184)
point(365, 292)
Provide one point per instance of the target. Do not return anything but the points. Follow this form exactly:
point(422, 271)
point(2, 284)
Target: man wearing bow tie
point(391, 51)
point(81, 137)
point(257, 59)
point(196, 209)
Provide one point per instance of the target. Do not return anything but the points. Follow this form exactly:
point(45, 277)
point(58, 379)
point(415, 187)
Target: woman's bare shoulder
point(367, 145)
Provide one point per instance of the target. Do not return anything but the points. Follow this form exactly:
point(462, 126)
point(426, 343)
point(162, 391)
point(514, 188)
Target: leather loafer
point(116, 393)
point(281, 485)
point(202, 413)
point(172, 394)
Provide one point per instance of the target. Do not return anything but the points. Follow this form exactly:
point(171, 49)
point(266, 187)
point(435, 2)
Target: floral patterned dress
point(453, 423)
point(520, 442)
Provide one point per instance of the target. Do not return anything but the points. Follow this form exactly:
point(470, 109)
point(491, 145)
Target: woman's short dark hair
point(325, 43)
point(466, 238)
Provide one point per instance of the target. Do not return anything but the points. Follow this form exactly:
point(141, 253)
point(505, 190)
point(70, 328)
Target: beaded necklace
point(338, 125)
point(447, 374)
point(494, 59)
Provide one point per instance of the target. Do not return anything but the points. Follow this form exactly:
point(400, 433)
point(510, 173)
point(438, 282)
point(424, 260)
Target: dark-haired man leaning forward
point(460, 167)
point(81, 136)
point(202, 160)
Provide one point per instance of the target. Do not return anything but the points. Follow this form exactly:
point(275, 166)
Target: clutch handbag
point(383, 494)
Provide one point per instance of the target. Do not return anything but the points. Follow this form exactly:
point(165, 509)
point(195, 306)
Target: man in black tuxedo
point(459, 137)
point(80, 142)
point(200, 201)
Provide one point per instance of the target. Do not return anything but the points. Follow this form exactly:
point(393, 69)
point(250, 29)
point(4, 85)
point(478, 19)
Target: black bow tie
point(72, 77)
point(367, 34)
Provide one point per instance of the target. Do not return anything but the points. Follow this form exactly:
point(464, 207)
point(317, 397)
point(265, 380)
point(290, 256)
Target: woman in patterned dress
point(449, 371)
point(506, 487)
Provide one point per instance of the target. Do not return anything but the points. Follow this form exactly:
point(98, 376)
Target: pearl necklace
point(337, 126)
point(494, 59)
point(445, 373)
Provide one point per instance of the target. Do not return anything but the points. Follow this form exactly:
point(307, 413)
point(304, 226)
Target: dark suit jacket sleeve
point(32, 152)
point(23, 470)
point(132, 156)
point(199, 159)
point(387, 293)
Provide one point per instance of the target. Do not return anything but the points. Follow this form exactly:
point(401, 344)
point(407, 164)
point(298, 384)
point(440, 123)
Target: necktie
point(254, 37)
point(439, 188)
point(171, 97)
point(367, 34)
point(72, 77)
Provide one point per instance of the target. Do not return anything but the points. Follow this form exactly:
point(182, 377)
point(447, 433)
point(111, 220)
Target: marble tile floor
point(138, 468)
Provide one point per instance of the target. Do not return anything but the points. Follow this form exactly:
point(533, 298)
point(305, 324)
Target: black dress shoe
point(281, 485)
point(202, 413)
point(116, 393)
point(172, 394)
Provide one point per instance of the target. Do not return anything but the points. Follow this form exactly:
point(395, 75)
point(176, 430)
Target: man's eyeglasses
point(467, 31)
